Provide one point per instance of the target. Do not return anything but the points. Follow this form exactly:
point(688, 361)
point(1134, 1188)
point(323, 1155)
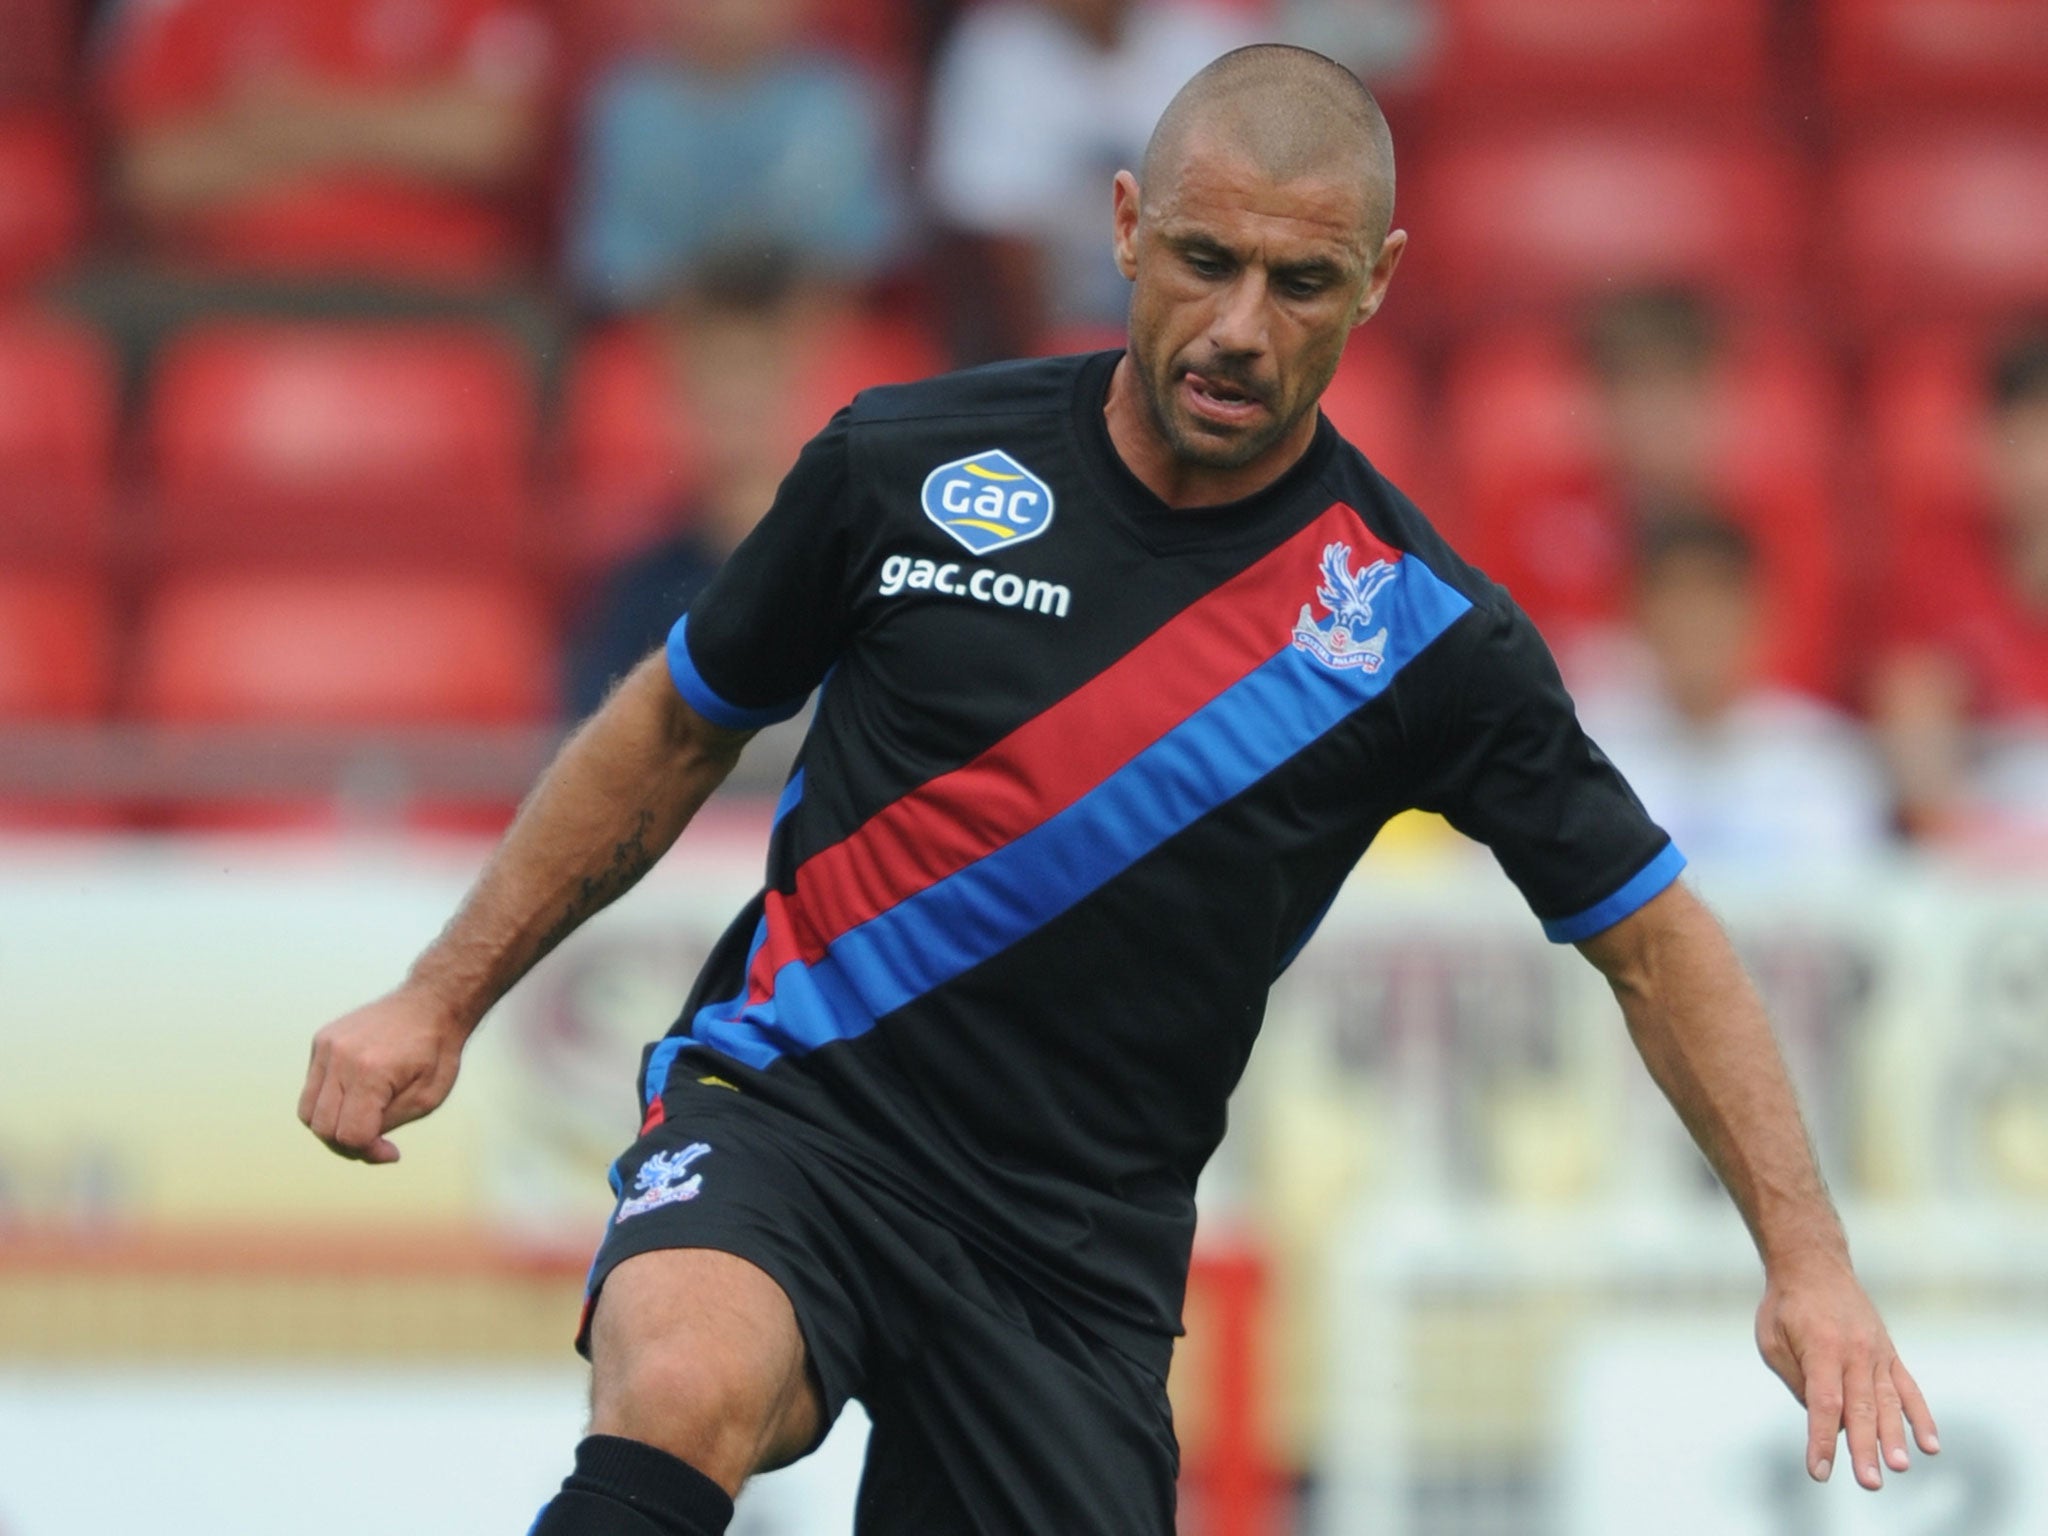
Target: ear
point(1382, 274)
point(1124, 223)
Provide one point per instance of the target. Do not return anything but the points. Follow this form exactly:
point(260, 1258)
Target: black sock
point(624, 1488)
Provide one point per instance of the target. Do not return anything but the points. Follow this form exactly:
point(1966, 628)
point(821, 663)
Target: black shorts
point(994, 1412)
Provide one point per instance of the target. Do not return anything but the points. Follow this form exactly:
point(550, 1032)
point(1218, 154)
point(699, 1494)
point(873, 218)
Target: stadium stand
point(56, 647)
point(58, 423)
point(1926, 407)
point(1572, 58)
point(628, 443)
point(344, 650)
point(1936, 224)
point(391, 445)
point(1528, 221)
point(349, 183)
point(58, 651)
point(1963, 58)
point(36, 39)
point(43, 215)
point(1377, 401)
point(1543, 514)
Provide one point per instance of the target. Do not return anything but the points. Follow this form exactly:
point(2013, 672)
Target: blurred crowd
point(387, 364)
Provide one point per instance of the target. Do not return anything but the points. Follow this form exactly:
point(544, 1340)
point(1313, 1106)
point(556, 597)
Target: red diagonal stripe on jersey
point(1056, 757)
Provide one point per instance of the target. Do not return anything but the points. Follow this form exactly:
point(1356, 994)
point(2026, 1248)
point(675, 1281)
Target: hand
point(378, 1068)
point(1824, 1339)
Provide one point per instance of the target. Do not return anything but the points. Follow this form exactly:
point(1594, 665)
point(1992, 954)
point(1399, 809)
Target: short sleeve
point(1510, 766)
point(762, 635)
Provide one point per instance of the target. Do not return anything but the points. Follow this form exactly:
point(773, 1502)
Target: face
point(1245, 290)
point(1700, 621)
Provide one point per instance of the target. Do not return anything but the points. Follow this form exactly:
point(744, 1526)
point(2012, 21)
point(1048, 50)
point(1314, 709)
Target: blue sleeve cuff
point(704, 699)
point(1649, 881)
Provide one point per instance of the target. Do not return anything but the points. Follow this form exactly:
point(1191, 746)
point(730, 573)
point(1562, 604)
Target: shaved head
point(1256, 241)
point(1292, 113)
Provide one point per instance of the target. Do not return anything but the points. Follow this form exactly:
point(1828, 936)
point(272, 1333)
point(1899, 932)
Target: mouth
point(1220, 401)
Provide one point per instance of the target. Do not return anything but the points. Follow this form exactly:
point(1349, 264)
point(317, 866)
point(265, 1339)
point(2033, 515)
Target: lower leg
point(624, 1488)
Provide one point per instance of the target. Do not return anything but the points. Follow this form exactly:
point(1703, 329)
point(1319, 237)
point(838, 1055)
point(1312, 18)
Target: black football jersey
point(1084, 774)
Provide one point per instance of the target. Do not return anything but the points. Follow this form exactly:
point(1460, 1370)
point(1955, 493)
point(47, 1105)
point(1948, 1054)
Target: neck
point(1174, 480)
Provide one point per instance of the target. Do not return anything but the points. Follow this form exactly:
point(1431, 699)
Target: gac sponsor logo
point(987, 501)
point(1006, 589)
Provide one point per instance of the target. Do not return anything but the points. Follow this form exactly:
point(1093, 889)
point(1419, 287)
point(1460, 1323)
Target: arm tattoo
point(630, 860)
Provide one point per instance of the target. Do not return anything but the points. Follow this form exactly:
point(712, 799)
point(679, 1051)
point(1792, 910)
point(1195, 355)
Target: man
point(1961, 691)
point(1125, 659)
point(394, 137)
point(732, 136)
point(1740, 768)
point(1034, 104)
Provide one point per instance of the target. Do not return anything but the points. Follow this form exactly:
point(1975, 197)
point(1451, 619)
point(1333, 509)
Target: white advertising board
point(327, 1452)
point(1670, 1429)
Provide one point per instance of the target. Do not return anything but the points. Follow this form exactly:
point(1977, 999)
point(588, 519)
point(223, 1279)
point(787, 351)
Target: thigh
point(1005, 1429)
point(698, 1351)
point(718, 1325)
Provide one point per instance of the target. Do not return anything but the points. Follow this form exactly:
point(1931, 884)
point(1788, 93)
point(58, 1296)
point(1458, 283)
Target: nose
point(1238, 325)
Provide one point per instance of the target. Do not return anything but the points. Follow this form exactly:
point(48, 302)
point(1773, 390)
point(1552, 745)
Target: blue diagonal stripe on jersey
point(1217, 753)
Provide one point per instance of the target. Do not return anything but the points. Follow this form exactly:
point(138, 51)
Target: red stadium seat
point(1528, 221)
point(858, 352)
point(400, 445)
point(1927, 402)
point(43, 204)
point(36, 41)
point(345, 650)
point(57, 428)
point(56, 647)
point(1576, 56)
point(629, 454)
point(1979, 58)
point(1526, 449)
point(1376, 402)
point(1939, 225)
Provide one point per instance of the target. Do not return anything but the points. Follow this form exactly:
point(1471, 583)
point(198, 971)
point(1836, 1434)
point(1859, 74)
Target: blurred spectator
point(1386, 42)
point(1962, 695)
point(1679, 416)
point(736, 137)
point(735, 344)
point(1035, 108)
point(1738, 770)
point(387, 137)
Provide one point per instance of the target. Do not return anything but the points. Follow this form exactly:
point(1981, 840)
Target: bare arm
point(1921, 703)
point(614, 800)
point(1703, 1034)
point(463, 135)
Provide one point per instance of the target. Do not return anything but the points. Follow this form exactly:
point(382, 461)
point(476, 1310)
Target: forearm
point(460, 134)
point(1702, 1031)
point(614, 800)
point(174, 172)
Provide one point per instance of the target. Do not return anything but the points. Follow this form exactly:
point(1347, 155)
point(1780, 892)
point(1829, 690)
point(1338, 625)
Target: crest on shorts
point(987, 501)
point(665, 1179)
point(1346, 638)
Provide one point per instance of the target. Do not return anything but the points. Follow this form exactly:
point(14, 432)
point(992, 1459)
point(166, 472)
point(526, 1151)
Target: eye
point(1204, 265)
point(1302, 287)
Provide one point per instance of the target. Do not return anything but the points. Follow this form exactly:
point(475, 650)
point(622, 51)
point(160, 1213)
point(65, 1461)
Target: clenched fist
point(380, 1067)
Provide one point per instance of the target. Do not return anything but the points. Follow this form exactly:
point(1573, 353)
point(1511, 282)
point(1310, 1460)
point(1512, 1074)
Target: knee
point(691, 1355)
point(685, 1401)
